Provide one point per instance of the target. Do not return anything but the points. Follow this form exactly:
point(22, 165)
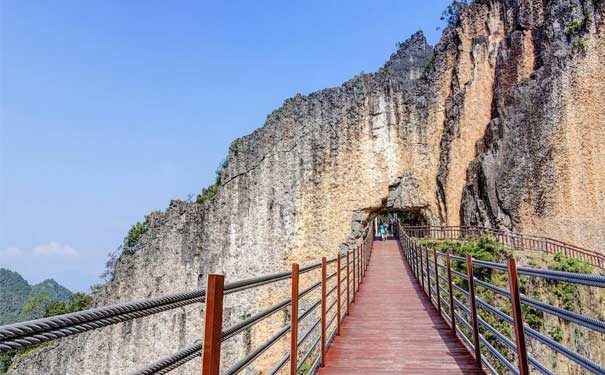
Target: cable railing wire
point(27, 334)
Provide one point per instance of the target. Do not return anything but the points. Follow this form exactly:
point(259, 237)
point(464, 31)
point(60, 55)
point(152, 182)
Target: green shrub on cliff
point(134, 235)
point(427, 68)
point(210, 191)
point(451, 14)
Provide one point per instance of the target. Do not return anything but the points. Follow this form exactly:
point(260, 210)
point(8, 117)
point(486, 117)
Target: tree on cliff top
point(451, 14)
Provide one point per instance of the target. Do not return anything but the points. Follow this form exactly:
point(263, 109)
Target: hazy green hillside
point(53, 290)
point(20, 301)
point(16, 294)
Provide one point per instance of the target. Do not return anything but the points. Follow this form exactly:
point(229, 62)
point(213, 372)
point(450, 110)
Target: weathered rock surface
point(496, 126)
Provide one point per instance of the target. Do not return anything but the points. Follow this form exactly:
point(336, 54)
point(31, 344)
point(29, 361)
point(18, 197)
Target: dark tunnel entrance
point(386, 220)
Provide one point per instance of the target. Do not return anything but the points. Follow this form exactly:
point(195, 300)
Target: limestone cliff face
point(494, 126)
point(540, 167)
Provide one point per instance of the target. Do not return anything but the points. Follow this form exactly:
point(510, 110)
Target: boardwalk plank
point(392, 328)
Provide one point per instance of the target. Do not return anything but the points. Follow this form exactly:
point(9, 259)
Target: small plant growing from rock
point(556, 333)
point(573, 27)
point(427, 68)
point(581, 45)
point(134, 235)
point(210, 191)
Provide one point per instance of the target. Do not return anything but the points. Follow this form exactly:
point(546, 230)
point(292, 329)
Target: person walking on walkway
point(383, 231)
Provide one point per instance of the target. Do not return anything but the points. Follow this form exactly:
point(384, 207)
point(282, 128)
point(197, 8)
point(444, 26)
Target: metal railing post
point(366, 254)
point(294, 321)
point(338, 278)
point(517, 317)
point(415, 255)
point(449, 286)
point(358, 267)
point(354, 276)
point(213, 325)
point(360, 263)
point(473, 308)
point(322, 362)
point(428, 273)
point(367, 258)
point(420, 266)
point(437, 281)
point(348, 286)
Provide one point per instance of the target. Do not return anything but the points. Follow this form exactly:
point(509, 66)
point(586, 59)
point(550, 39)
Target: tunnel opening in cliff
point(409, 216)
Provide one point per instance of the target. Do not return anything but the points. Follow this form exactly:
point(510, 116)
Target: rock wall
point(540, 167)
point(494, 126)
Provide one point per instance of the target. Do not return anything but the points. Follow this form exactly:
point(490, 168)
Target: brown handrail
point(517, 241)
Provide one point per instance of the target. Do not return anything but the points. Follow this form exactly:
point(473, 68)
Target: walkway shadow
point(453, 343)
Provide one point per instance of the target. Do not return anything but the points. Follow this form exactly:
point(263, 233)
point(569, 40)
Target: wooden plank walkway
point(393, 329)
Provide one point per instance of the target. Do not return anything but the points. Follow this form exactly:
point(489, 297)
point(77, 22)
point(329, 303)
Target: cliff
point(494, 126)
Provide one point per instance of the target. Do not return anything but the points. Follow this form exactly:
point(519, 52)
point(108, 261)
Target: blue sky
point(110, 109)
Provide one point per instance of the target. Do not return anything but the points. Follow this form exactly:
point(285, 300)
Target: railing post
point(366, 254)
point(365, 259)
point(428, 274)
point(322, 363)
point(415, 254)
point(358, 267)
point(213, 325)
point(368, 251)
point(420, 266)
point(449, 287)
point(360, 263)
point(354, 276)
point(517, 317)
point(294, 321)
point(437, 281)
point(473, 307)
point(338, 295)
point(348, 286)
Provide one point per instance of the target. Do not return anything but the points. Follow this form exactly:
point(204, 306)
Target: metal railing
point(438, 279)
point(516, 241)
point(338, 291)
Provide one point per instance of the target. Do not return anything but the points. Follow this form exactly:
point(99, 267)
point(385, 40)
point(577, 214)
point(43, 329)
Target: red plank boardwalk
point(393, 329)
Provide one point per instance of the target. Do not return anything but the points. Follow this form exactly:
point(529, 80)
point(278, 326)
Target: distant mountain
point(15, 292)
point(53, 290)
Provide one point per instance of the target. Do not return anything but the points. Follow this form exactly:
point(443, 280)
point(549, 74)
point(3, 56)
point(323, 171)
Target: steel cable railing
point(31, 333)
point(417, 256)
point(28, 334)
point(355, 263)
